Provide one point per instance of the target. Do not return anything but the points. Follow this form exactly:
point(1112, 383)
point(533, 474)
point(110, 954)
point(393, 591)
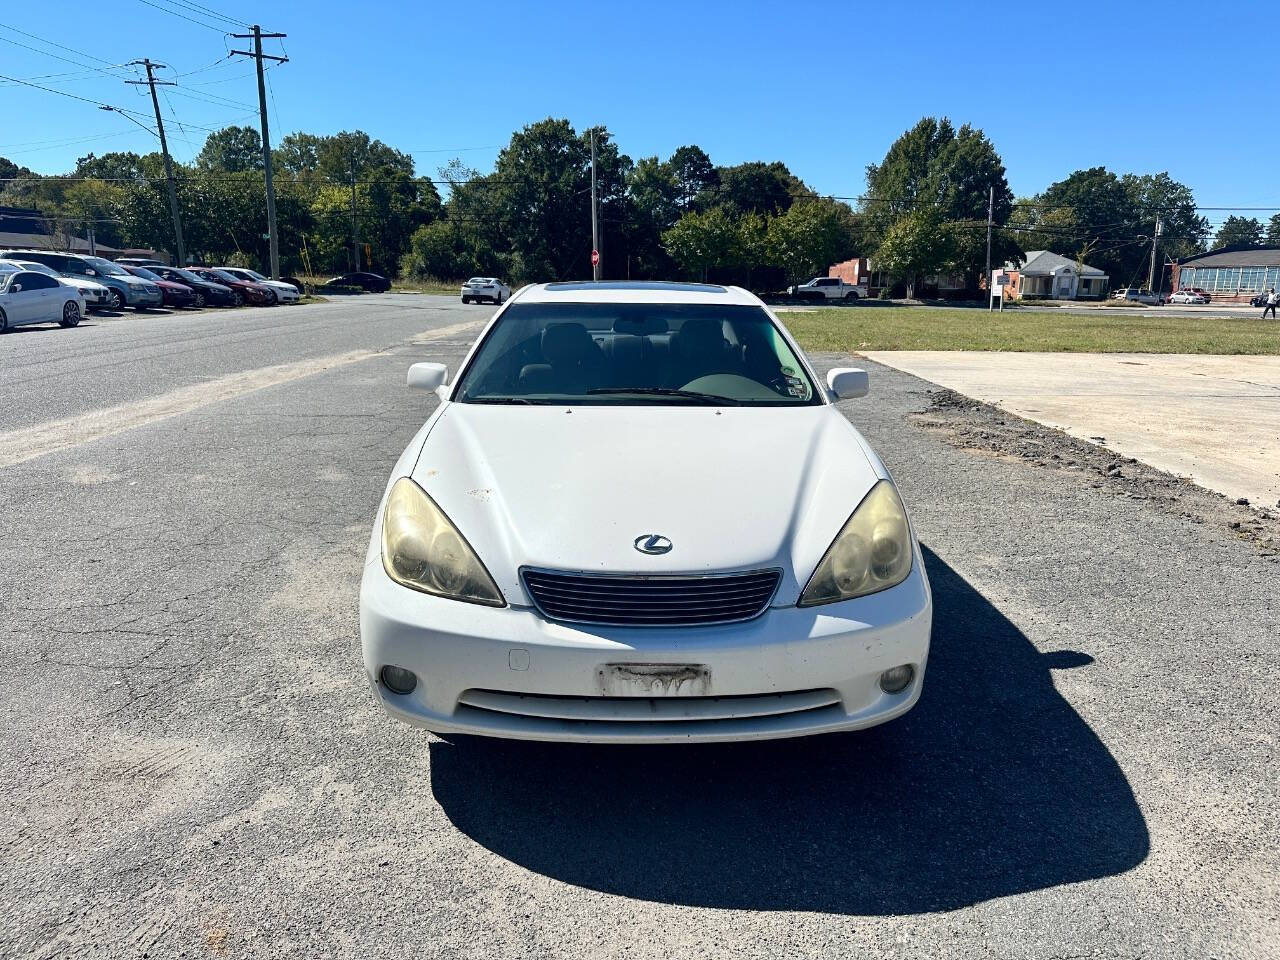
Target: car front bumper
point(144, 298)
point(509, 672)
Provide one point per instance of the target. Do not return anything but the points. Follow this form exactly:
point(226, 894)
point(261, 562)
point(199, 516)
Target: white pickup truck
point(828, 288)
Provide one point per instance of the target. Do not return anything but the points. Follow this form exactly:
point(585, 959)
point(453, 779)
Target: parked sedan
point(244, 290)
point(706, 549)
point(206, 291)
point(94, 295)
point(175, 294)
point(1188, 296)
point(369, 282)
point(1135, 295)
point(285, 292)
point(30, 297)
point(485, 288)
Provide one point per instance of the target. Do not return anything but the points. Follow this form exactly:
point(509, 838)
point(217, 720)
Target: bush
point(241, 259)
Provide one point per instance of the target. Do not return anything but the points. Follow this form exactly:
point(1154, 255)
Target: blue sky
point(824, 87)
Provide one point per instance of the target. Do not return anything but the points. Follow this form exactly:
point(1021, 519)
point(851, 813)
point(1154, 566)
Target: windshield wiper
point(708, 398)
point(524, 400)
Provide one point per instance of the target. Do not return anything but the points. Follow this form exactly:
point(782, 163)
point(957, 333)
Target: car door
point(47, 297)
point(26, 294)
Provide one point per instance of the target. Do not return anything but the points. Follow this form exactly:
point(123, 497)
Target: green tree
point(232, 150)
point(1273, 229)
point(654, 203)
point(766, 188)
point(704, 241)
point(918, 244)
point(1238, 232)
point(810, 236)
point(953, 172)
point(694, 175)
point(1153, 195)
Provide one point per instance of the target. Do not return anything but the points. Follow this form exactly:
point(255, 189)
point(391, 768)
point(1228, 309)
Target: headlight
point(422, 550)
point(872, 552)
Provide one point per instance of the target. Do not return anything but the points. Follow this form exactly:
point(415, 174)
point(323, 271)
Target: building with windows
point(1044, 275)
point(1230, 275)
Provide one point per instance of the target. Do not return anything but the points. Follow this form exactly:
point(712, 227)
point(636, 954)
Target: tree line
point(922, 214)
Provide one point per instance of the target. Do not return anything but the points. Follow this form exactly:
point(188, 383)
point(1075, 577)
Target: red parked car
point(254, 293)
point(175, 294)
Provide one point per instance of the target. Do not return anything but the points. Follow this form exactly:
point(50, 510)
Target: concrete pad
point(1215, 419)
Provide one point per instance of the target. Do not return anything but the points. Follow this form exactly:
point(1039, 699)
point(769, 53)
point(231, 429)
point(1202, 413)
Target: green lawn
point(414, 286)
point(928, 328)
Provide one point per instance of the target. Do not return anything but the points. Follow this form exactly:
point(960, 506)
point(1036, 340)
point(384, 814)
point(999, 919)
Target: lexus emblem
point(652, 543)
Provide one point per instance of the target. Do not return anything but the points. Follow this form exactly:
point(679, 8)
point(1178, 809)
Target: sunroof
point(636, 285)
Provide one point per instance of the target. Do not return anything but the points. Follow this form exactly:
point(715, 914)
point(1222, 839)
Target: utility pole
point(355, 234)
point(595, 226)
point(273, 235)
point(991, 205)
point(152, 82)
point(1151, 274)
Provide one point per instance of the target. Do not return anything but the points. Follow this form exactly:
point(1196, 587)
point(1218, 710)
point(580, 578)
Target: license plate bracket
point(654, 679)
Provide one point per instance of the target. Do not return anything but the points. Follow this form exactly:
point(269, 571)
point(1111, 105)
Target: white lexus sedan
point(638, 516)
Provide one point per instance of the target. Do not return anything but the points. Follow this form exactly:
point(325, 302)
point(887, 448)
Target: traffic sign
point(595, 258)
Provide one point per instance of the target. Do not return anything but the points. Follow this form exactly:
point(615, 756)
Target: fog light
point(399, 680)
point(895, 679)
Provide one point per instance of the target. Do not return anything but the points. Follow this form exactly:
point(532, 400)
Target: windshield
point(188, 276)
point(630, 353)
point(38, 268)
point(252, 274)
point(146, 274)
point(223, 275)
point(107, 267)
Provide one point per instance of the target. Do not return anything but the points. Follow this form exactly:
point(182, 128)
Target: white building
point(1044, 275)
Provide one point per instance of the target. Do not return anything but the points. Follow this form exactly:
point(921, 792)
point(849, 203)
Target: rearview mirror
point(848, 382)
point(427, 376)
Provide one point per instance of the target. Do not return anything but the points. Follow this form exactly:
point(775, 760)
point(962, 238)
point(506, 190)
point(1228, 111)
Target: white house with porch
point(1045, 275)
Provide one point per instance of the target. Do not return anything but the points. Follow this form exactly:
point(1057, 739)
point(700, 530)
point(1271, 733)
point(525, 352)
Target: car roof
point(634, 291)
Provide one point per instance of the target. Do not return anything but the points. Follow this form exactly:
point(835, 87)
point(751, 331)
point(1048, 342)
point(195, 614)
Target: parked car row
point(83, 283)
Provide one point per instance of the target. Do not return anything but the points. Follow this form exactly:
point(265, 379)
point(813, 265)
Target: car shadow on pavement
point(993, 785)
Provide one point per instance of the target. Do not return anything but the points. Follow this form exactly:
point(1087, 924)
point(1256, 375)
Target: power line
point(183, 16)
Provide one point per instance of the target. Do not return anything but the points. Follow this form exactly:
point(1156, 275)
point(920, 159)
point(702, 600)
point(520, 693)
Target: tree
point(703, 241)
point(953, 172)
point(767, 188)
point(1238, 232)
point(655, 204)
point(1273, 230)
point(693, 173)
point(232, 150)
point(917, 244)
point(810, 236)
point(1153, 195)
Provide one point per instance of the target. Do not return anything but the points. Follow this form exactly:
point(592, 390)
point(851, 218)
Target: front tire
point(466, 299)
point(237, 299)
point(199, 304)
point(4, 322)
point(851, 295)
point(275, 299)
point(116, 302)
point(70, 314)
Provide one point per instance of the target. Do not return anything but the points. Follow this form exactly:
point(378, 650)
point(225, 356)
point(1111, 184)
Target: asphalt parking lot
point(193, 765)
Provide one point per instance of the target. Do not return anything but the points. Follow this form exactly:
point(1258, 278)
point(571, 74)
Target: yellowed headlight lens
point(421, 549)
point(871, 553)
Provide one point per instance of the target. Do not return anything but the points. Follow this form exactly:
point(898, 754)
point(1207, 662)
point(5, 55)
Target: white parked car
point(485, 288)
point(638, 516)
point(1188, 296)
point(285, 292)
point(30, 297)
point(94, 295)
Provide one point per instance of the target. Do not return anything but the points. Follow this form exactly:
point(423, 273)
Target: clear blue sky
point(824, 87)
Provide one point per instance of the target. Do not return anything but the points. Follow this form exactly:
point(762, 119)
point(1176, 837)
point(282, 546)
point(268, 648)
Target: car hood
point(572, 488)
point(81, 284)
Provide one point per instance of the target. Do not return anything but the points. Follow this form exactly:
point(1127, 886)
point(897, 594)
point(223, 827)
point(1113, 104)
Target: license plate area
point(654, 680)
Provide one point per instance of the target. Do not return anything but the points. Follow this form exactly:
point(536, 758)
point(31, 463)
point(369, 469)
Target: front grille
point(661, 601)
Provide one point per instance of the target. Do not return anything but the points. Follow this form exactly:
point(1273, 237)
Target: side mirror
point(848, 382)
point(91, 272)
point(427, 376)
point(16, 287)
